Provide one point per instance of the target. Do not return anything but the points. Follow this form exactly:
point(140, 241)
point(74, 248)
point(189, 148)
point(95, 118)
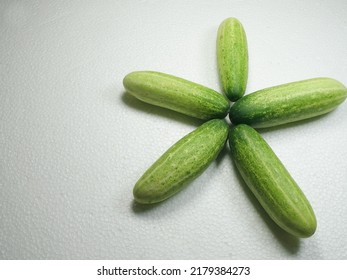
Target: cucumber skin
point(270, 182)
point(232, 58)
point(288, 102)
point(177, 94)
point(181, 163)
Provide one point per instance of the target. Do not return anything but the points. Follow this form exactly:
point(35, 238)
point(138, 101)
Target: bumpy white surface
point(72, 144)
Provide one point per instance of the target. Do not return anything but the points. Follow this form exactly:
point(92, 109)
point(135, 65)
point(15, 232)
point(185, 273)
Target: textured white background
point(73, 144)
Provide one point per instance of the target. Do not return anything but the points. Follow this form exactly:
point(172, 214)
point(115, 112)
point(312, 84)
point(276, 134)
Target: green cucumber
point(181, 163)
point(176, 94)
point(270, 182)
point(232, 58)
point(288, 102)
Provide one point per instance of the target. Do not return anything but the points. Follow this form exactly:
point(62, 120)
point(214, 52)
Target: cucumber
point(270, 182)
point(288, 102)
point(232, 58)
point(176, 94)
point(181, 163)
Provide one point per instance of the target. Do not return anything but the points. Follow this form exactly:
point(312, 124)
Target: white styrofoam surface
point(73, 144)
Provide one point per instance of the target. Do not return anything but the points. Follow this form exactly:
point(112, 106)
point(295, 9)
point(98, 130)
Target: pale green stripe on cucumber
point(288, 102)
point(176, 94)
point(232, 58)
point(270, 182)
point(181, 163)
